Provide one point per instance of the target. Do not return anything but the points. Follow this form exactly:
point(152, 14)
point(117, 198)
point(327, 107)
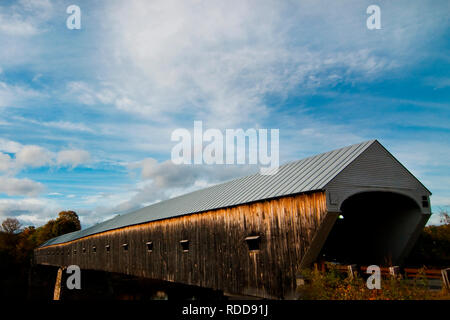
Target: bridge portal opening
point(373, 228)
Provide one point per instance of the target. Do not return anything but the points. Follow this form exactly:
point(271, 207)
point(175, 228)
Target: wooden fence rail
point(393, 271)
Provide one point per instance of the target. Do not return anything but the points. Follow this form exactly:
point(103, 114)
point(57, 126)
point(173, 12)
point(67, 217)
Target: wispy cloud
point(222, 63)
point(61, 125)
point(13, 95)
point(25, 18)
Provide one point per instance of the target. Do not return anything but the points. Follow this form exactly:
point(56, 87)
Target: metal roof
point(308, 174)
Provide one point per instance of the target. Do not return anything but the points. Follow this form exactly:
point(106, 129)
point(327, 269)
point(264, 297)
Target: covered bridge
point(252, 235)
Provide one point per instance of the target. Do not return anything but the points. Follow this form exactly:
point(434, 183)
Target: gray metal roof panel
point(325, 172)
point(331, 172)
point(308, 174)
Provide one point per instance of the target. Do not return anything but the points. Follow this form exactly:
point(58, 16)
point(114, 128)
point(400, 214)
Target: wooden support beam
point(319, 239)
point(446, 278)
point(394, 271)
point(352, 269)
point(57, 291)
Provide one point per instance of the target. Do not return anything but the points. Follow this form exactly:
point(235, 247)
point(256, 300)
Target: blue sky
point(86, 115)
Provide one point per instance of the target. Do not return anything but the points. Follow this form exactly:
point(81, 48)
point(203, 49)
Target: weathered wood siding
point(218, 255)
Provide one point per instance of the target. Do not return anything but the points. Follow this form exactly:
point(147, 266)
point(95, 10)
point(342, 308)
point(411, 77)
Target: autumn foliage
point(334, 285)
point(17, 245)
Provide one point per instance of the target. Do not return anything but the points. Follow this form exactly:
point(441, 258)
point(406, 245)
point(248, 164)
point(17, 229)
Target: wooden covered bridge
point(252, 235)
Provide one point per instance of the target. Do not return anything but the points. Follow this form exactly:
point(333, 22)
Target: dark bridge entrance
point(374, 228)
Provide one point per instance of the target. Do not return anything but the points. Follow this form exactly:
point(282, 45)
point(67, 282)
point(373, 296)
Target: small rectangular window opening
point(74, 251)
point(253, 242)
point(108, 248)
point(84, 250)
point(425, 202)
point(184, 245)
point(94, 249)
point(125, 247)
point(149, 246)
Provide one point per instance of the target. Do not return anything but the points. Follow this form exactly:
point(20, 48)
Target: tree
point(45, 232)
point(17, 245)
point(26, 242)
point(433, 245)
point(66, 222)
point(11, 225)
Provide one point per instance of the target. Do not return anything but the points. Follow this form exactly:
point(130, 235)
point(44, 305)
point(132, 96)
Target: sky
point(86, 115)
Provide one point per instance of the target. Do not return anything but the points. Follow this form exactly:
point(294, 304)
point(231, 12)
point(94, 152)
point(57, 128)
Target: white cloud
point(215, 60)
point(86, 94)
point(9, 146)
point(26, 18)
point(66, 125)
point(19, 187)
point(17, 26)
point(73, 158)
point(160, 181)
point(54, 194)
point(22, 23)
point(33, 156)
point(63, 125)
point(219, 60)
point(163, 180)
point(6, 164)
point(11, 95)
point(29, 211)
point(167, 175)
